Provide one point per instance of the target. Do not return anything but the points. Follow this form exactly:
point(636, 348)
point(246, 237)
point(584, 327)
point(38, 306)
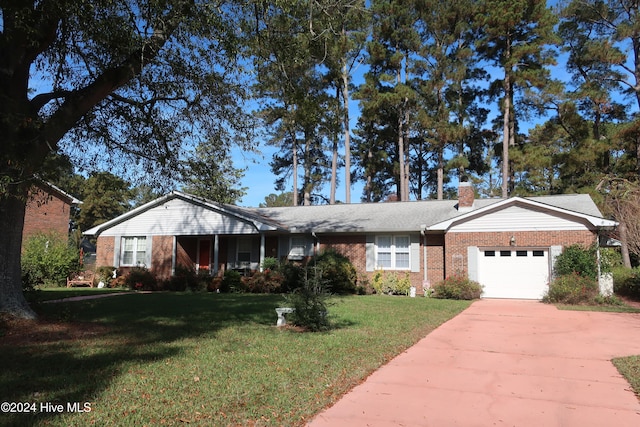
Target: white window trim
point(297, 255)
point(394, 251)
point(136, 261)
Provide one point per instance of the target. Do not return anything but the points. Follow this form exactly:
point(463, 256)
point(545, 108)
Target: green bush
point(270, 263)
point(572, 289)
point(626, 282)
point(337, 270)
point(293, 277)
point(388, 282)
point(577, 259)
point(140, 279)
point(457, 287)
point(48, 259)
point(266, 282)
point(232, 282)
point(311, 302)
point(610, 259)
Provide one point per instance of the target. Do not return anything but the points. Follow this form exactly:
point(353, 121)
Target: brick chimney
point(466, 196)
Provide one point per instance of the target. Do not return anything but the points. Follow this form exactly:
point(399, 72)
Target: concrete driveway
point(503, 363)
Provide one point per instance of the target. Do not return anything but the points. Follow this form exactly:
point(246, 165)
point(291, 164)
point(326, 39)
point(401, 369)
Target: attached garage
point(521, 273)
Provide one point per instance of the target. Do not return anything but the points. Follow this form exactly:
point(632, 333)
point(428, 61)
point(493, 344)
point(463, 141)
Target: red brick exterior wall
point(466, 195)
point(456, 244)
point(354, 247)
point(161, 256)
point(105, 250)
point(45, 213)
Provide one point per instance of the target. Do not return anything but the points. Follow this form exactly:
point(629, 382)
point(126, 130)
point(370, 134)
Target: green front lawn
point(48, 294)
point(202, 359)
point(629, 367)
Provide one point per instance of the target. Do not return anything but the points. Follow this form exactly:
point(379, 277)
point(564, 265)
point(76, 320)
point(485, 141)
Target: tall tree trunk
point(12, 211)
point(506, 137)
point(308, 164)
point(347, 134)
point(367, 187)
point(334, 173)
point(440, 172)
point(406, 156)
point(295, 172)
point(624, 243)
point(401, 172)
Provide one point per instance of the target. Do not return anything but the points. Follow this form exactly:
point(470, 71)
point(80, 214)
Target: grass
point(603, 308)
point(629, 367)
point(205, 359)
point(48, 294)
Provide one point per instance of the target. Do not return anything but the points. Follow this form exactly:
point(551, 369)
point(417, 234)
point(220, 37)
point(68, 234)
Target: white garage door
point(511, 273)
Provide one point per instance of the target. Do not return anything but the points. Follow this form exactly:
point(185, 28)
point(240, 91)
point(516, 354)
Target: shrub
point(337, 270)
point(140, 279)
point(310, 302)
point(626, 282)
point(268, 281)
point(104, 274)
point(231, 282)
point(270, 263)
point(572, 289)
point(577, 259)
point(293, 277)
point(457, 287)
point(47, 258)
point(389, 283)
point(610, 259)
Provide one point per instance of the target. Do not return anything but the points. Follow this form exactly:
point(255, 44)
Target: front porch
point(216, 254)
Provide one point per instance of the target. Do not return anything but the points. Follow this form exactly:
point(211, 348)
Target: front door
point(204, 254)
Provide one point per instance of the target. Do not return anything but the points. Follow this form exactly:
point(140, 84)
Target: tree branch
point(78, 102)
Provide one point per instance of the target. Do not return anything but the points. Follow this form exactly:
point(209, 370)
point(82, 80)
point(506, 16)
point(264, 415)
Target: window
point(505, 253)
point(489, 253)
point(538, 253)
point(134, 251)
point(298, 247)
point(244, 251)
point(521, 253)
point(393, 252)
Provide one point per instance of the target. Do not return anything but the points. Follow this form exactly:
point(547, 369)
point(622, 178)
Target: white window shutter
point(472, 262)
point(370, 246)
point(415, 253)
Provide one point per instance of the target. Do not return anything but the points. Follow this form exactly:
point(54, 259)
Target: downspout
point(425, 280)
point(216, 253)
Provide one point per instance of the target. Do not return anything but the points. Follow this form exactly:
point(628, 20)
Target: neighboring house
point(508, 245)
point(48, 210)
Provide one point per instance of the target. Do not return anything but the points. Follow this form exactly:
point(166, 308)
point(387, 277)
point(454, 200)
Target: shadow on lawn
point(75, 351)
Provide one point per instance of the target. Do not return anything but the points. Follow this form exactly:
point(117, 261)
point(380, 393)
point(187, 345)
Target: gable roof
point(427, 215)
point(259, 223)
point(579, 206)
point(54, 190)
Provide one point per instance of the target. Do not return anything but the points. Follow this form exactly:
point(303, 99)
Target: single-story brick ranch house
point(508, 245)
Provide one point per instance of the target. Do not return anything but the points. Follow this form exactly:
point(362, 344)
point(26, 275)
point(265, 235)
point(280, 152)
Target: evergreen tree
point(516, 36)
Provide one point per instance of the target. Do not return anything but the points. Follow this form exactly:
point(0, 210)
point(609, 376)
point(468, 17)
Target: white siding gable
point(519, 218)
point(179, 217)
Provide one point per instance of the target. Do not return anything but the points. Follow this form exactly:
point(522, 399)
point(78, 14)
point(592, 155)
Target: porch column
point(262, 250)
point(216, 247)
point(174, 254)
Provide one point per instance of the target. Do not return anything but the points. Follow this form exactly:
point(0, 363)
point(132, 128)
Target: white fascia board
point(597, 222)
